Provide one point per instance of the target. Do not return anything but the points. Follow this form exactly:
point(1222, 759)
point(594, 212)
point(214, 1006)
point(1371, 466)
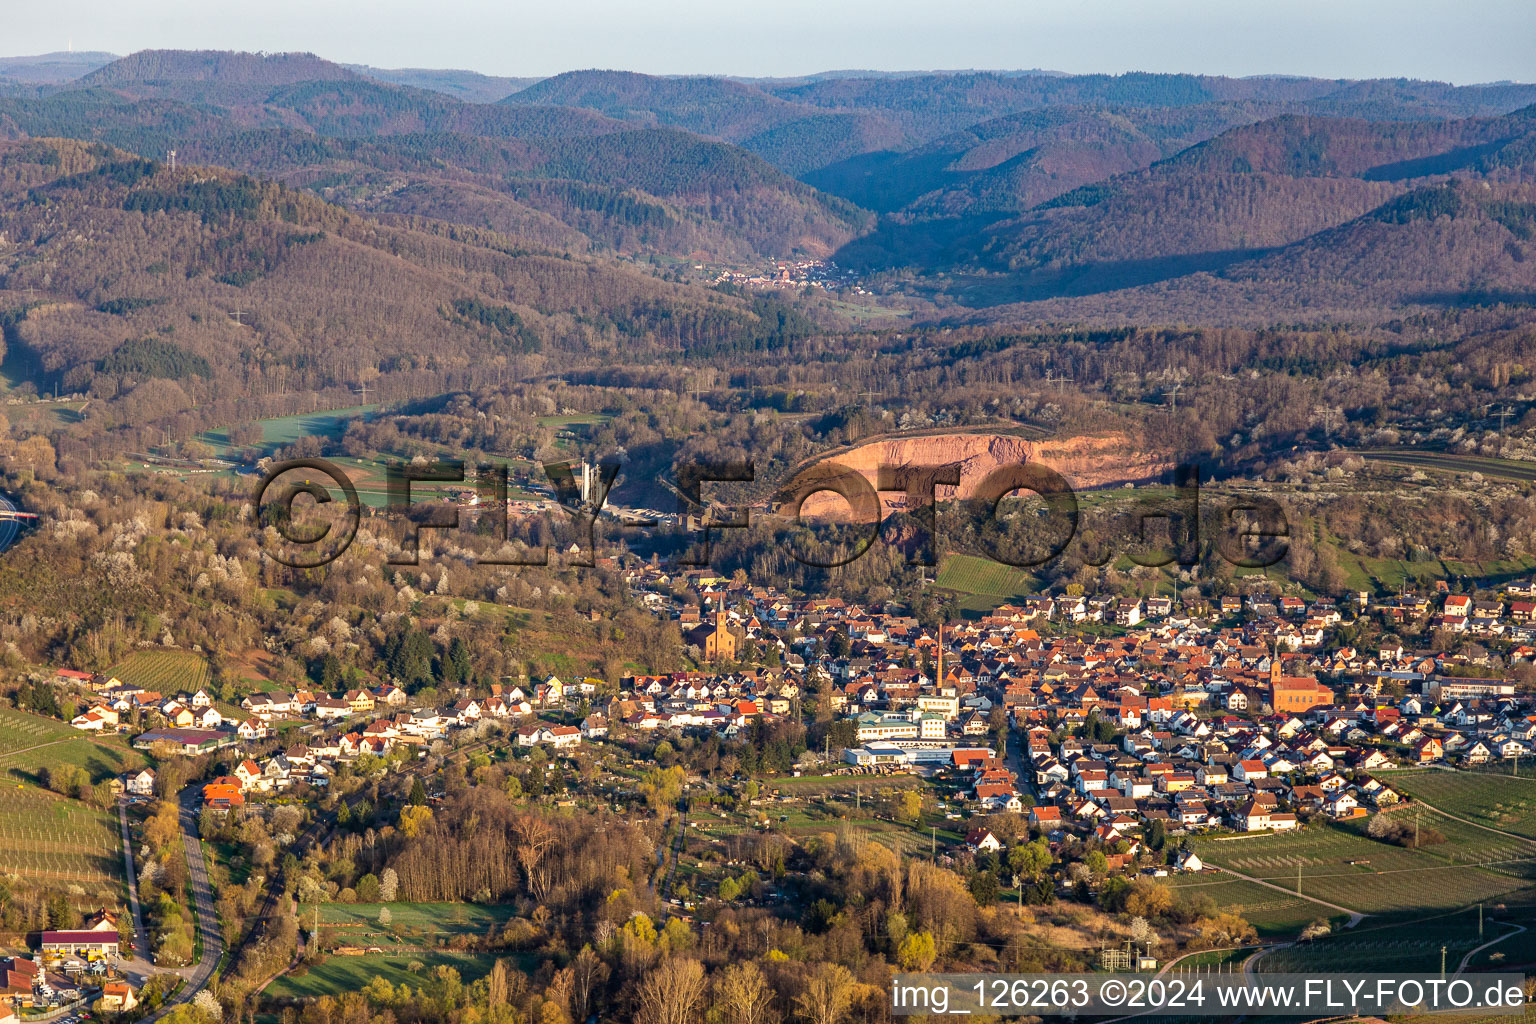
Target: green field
point(370, 477)
point(28, 743)
point(1384, 877)
point(284, 430)
point(576, 420)
point(984, 578)
point(411, 924)
point(1271, 913)
point(1392, 575)
point(1498, 801)
point(166, 672)
point(19, 730)
point(350, 973)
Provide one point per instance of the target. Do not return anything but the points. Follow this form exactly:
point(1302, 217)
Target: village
point(1239, 718)
point(1095, 721)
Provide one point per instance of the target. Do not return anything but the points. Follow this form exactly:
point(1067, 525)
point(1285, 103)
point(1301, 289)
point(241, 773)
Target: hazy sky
point(1468, 41)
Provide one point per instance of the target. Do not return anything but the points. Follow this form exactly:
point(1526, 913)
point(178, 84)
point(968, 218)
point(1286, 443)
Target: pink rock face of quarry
point(1087, 462)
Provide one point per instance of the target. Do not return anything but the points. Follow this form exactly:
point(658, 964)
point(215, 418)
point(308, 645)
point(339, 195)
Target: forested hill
point(469, 86)
point(1061, 194)
point(1267, 201)
point(541, 169)
point(1456, 244)
point(211, 74)
point(795, 137)
point(52, 68)
point(707, 106)
point(938, 102)
point(1018, 161)
point(178, 297)
point(1311, 146)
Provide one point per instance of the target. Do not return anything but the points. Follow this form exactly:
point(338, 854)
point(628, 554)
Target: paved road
point(8, 526)
point(1251, 965)
point(1015, 761)
point(202, 904)
point(139, 962)
point(1466, 960)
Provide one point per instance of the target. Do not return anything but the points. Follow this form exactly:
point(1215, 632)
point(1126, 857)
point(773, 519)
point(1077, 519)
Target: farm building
point(191, 741)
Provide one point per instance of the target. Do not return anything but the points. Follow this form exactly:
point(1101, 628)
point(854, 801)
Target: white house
point(983, 841)
point(141, 783)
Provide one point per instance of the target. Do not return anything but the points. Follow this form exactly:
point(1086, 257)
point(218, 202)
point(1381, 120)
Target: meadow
point(284, 430)
point(411, 924)
point(351, 973)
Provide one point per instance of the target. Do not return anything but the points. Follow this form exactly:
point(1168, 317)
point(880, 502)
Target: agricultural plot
point(101, 759)
point(1339, 865)
point(968, 574)
point(350, 973)
point(165, 671)
point(1220, 961)
point(1498, 801)
point(1469, 844)
point(50, 839)
point(1388, 948)
point(714, 825)
point(29, 742)
point(843, 786)
point(1271, 913)
point(411, 924)
point(19, 730)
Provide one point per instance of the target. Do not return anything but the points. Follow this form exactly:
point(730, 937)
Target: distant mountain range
point(1016, 194)
point(135, 297)
point(52, 68)
point(555, 175)
point(1327, 214)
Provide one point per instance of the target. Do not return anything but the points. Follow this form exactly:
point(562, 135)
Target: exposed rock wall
point(1087, 462)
